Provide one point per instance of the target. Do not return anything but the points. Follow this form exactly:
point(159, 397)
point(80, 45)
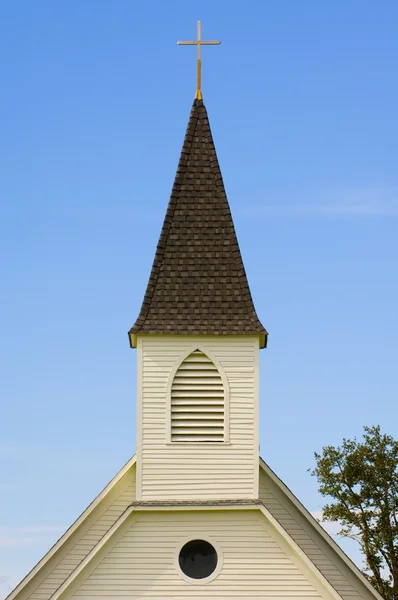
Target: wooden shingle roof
point(198, 284)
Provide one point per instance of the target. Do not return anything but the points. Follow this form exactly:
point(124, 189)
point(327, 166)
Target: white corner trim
point(69, 532)
point(81, 566)
point(138, 475)
point(315, 577)
point(256, 428)
point(329, 540)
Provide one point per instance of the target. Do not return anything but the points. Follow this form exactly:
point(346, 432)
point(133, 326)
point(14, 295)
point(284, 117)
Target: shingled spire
point(198, 284)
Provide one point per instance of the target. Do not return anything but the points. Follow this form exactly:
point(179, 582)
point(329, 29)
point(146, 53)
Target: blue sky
point(95, 97)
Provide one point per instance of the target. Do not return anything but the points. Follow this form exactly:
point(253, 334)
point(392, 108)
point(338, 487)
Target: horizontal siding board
point(140, 564)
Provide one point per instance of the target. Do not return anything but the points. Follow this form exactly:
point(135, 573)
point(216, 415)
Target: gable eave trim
point(314, 523)
point(86, 561)
point(310, 571)
point(71, 530)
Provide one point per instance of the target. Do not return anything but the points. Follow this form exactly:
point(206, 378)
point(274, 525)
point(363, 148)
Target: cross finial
point(198, 43)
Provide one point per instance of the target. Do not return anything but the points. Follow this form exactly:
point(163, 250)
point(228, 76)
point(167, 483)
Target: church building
point(196, 513)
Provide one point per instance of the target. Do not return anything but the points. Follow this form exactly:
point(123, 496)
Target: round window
point(198, 559)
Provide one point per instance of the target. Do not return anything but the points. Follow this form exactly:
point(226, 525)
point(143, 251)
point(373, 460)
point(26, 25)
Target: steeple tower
point(198, 338)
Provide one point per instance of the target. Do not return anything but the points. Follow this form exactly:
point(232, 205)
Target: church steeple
point(198, 284)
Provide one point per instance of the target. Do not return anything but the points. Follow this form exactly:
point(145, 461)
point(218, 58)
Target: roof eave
point(132, 339)
point(262, 339)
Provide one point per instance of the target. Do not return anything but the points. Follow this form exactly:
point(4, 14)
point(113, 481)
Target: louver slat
point(197, 401)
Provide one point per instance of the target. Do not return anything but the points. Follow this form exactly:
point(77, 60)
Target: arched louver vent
point(197, 401)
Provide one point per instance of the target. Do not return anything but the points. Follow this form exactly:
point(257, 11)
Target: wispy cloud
point(15, 537)
point(357, 202)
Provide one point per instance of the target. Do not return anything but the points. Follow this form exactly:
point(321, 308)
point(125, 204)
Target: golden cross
point(199, 42)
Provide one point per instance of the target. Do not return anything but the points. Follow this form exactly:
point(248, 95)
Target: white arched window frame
point(217, 364)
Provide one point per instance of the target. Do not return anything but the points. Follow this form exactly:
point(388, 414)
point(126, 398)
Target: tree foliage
point(361, 479)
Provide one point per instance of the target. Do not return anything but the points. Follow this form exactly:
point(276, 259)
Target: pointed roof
point(198, 284)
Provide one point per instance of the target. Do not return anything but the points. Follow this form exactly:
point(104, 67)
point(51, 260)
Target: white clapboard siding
point(218, 465)
point(141, 563)
point(339, 575)
point(197, 401)
point(83, 540)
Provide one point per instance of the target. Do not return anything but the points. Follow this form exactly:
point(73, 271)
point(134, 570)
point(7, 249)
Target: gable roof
point(284, 541)
point(290, 530)
point(198, 283)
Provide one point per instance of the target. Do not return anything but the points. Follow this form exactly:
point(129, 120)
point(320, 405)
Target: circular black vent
point(198, 559)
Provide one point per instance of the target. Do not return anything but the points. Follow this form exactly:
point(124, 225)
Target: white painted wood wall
point(263, 569)
point(142, 562)
point(197, 471)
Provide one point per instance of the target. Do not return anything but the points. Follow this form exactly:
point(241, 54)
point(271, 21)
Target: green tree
point(361, 481)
